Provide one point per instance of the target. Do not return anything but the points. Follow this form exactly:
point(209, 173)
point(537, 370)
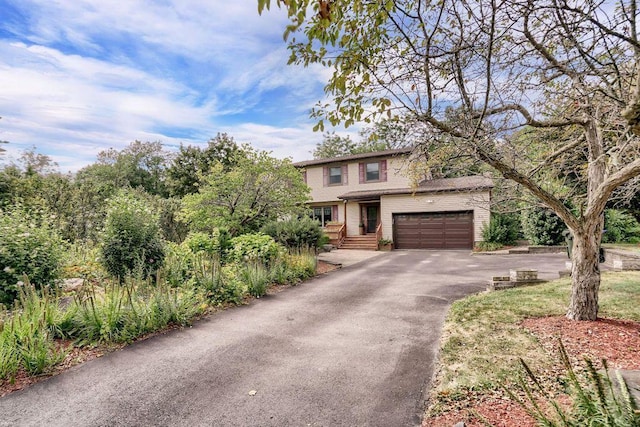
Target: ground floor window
point(324, 214)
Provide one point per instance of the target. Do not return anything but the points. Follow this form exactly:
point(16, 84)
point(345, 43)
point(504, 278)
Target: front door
point(372, 218)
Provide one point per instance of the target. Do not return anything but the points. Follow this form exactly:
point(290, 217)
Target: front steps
point(367, 242)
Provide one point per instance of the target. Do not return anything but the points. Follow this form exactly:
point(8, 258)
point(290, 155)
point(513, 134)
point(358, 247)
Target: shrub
point(620, 227)
point(541, 226)
point(295, 232)
point(219, 283)
point(30, 247)
point(253, 247)
point(177, 268)
point(502, 229)
point(217, 243)
point(132, 241)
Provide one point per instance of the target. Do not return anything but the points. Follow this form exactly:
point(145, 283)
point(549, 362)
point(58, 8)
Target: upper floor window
point(373, 171)
point(335, 175)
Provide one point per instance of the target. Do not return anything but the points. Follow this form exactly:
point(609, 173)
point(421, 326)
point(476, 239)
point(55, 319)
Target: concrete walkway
point(354, 347)
point(347, 257)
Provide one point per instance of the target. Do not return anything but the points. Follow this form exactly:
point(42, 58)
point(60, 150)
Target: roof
point(464, 183)
point(371, 155)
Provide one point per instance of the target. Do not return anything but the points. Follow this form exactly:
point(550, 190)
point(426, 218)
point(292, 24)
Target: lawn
point(483, 340)
point(632, 247)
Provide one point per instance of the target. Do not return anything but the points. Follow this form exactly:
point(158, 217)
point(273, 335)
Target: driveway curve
point(355, 347)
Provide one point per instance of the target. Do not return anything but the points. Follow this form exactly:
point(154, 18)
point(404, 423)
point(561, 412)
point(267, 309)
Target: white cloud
point(79, 77)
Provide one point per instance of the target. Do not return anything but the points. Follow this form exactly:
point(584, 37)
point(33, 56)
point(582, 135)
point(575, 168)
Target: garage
point(433, 230)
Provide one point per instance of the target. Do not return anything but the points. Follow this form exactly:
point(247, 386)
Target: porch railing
point(336, 232)
point(378, 232)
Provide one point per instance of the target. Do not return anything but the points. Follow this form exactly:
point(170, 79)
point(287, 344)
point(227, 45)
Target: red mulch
point(617, 341)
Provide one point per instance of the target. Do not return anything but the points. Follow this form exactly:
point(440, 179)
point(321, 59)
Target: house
point(362, 198)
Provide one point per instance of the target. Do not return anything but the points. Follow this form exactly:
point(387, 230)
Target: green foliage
point(140, 165)
point(620, 227)
point(502, 229)
point(542, 227)
point(295, 232)
point(216, 243)
point(242, 198)
point(253, 247)
point(256, 277)
point(221, 284)
point(132, 241)
point(596, 400)
point(485, 246)
point(26, 334)
point(29, 246)
point(121, 313)
point(192, 164)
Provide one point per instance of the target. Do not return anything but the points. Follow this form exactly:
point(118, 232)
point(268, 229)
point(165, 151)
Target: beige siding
point(320, 193)
point(353, 219)
point(478, 202)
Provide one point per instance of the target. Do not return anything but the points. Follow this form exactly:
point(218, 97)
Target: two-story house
point(362, 198)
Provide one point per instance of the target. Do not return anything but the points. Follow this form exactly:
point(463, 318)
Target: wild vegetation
point(139, 241)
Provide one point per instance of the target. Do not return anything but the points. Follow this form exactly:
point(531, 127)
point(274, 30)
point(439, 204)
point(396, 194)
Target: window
point(372, 172)
point(335, 175)
point(325, 214)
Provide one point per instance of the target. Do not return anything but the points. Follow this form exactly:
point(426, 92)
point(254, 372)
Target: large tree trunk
point(585, 277)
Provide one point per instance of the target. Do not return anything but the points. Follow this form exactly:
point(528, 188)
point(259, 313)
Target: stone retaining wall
point(620, 260)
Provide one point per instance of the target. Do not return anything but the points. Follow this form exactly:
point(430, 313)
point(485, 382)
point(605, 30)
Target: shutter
point(383, 170)
point(345, 174)
point(325, 176)
point(304, 176)
point(361, 169)
point(334, 213)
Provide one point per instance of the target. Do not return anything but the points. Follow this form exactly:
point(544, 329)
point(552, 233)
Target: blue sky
point(80, 76)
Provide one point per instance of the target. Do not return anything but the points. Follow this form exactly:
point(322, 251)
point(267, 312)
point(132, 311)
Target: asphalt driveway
point(355, 347)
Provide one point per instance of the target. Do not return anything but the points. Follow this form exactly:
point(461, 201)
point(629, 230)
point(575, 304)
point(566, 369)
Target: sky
point(80, 76)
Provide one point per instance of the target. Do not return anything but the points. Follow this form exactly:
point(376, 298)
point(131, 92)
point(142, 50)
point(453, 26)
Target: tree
point(191, 163)
point(140, 165)
point(242, 198)
point(477, 72)
point(333, 145)
point(383, 135)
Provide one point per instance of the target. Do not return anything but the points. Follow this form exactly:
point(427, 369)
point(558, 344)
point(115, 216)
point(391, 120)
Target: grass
point(482, 342)
point(633, 247)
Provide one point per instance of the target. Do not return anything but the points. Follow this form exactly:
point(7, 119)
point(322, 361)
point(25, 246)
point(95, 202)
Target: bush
point(620, 227)
point(132, 242)
point(217, 243)
point(295, 233)
point(177, 268)
point(253, 247)
point(502, 229)
point(30, 247)
point(541, 226)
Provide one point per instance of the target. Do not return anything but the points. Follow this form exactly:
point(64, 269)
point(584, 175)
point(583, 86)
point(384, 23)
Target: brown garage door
point(433, 230)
